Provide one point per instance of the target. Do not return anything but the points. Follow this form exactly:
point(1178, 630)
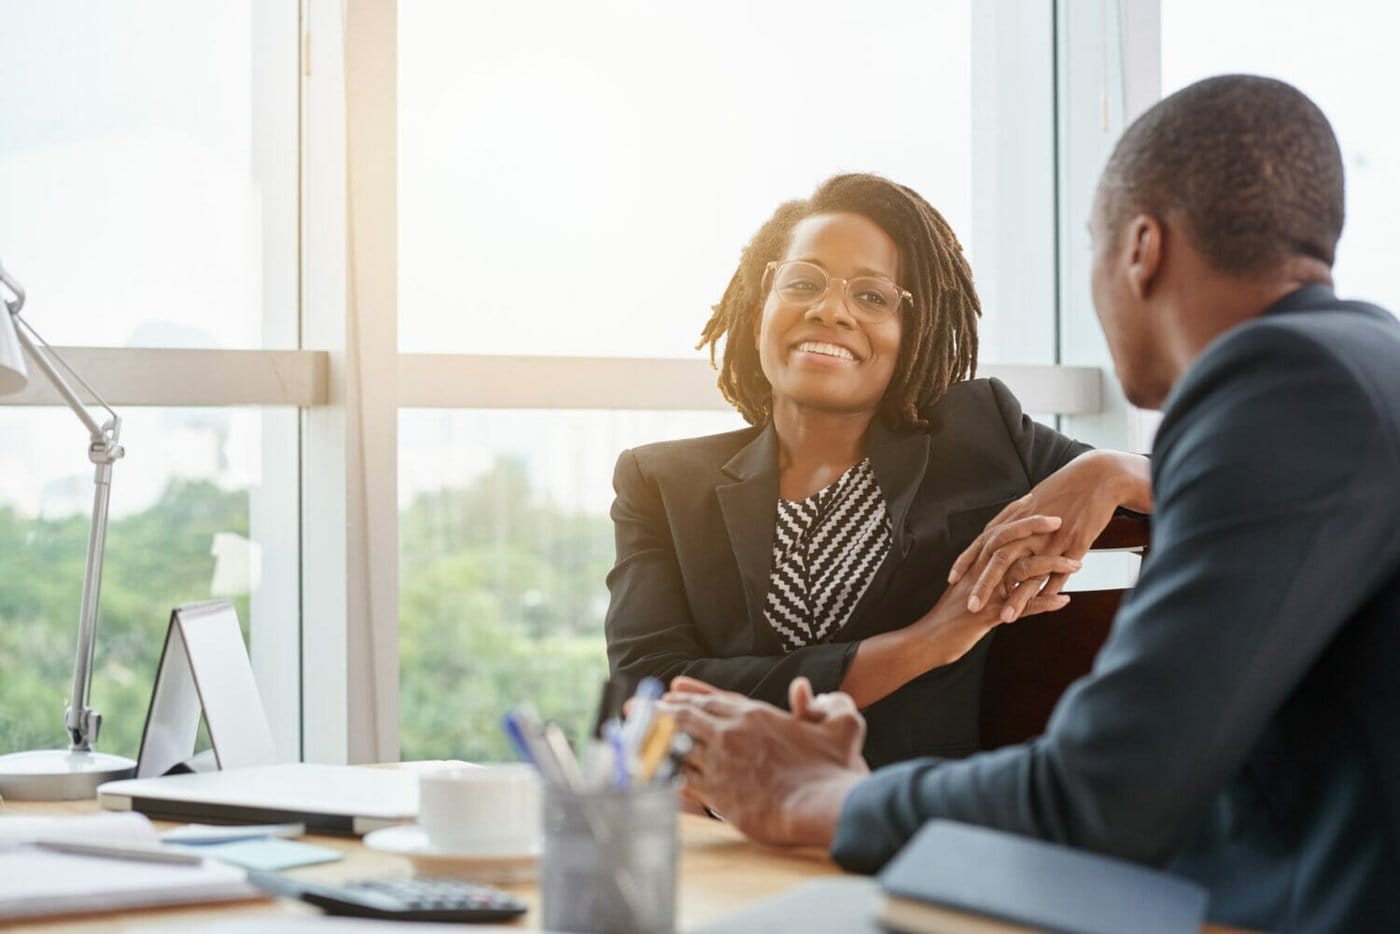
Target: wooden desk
point(720, 872)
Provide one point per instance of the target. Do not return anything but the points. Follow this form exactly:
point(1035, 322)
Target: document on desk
point(35, 881)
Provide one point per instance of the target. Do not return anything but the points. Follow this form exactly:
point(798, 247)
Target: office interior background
point(382, 289)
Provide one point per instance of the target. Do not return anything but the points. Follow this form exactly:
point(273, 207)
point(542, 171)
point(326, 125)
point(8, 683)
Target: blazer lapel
point(899, 461)
point(750, 507)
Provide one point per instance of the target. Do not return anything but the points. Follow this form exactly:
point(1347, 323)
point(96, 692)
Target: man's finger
point(684, 684)
point(800, 698)
point(834, 704)
point(701, 726)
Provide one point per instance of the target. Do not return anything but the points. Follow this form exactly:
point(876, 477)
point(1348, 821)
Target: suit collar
point(1304, 298)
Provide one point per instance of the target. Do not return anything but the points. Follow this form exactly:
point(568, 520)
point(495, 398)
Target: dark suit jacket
point(1242, 723)
point(695, 521)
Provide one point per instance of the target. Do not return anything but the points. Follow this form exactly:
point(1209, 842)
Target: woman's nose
point(831, 308)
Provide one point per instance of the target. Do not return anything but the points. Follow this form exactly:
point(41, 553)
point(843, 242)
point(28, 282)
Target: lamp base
point(59, 774)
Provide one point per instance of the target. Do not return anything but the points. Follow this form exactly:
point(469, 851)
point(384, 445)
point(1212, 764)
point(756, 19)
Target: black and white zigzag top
point(825, 553)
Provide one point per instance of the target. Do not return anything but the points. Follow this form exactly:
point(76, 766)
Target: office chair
point(1031, 662)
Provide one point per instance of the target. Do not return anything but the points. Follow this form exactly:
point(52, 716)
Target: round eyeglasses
point(873, 298)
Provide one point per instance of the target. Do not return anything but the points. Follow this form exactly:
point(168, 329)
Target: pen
point(613, 734)
point(511, 724)
point(639, 718)
point(204, 834)
point(142, 854)
point(563, 756)
point(681, 745)
point(527, 732)
point(655, 745)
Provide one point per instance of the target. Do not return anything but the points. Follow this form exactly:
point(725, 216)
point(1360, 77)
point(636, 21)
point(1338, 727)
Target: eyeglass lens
point(805, 283)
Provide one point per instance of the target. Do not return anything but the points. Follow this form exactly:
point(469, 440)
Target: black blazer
point(695, 520)
point(1242, 723)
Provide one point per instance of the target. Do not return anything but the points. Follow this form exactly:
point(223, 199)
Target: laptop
point(338, 799)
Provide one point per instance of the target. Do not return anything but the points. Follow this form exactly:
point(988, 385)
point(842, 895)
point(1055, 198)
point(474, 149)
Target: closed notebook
point(957, 878)
point(36, 882)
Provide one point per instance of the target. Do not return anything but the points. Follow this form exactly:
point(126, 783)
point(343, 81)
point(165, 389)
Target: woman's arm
point(1069, 480)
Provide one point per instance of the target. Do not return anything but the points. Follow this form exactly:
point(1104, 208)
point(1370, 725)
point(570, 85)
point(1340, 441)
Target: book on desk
point(957, 879)
point(36, 880)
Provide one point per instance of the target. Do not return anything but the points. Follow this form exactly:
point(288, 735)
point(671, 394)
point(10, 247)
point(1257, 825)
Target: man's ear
point(1143, 246)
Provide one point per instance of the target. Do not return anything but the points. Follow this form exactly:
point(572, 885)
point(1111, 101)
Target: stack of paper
point(36, 881)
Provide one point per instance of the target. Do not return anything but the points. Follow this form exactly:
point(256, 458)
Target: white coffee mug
point(481, 810)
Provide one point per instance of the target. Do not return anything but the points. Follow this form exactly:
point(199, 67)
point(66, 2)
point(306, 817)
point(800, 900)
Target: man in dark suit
point(1240, 724)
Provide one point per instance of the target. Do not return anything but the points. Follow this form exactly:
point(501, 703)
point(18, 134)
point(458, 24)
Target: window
point(1345, 62)
point(148, 172)
point(504, 541)
point(587, 192)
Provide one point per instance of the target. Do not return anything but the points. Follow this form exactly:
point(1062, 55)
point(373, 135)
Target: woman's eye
point(873, 298)
point(800, 285)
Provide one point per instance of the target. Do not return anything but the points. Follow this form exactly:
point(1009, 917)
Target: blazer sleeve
point(649, 626)
point(1042, 449)
point(1237, 601)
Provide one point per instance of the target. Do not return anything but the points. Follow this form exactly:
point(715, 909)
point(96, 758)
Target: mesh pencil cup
point(610, 860)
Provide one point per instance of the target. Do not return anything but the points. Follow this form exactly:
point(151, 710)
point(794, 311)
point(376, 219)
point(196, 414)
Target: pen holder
point(610, 860)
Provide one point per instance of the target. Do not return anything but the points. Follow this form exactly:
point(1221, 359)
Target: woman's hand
point(951, 629)
point(1082, 496)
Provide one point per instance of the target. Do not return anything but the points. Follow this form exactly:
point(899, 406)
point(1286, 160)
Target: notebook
point(341, 799)
point(36, 882)
point(956, 877)
point(838, 905)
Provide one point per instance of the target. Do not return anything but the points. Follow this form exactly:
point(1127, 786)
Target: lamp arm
point(104, 449)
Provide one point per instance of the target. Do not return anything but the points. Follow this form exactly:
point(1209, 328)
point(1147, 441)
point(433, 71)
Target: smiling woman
point(818, 541)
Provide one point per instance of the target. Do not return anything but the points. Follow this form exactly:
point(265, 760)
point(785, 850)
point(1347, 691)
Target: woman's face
point(825, 356)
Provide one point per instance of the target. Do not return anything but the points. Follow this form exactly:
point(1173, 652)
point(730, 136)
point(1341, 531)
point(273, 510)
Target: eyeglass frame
point(904, 294)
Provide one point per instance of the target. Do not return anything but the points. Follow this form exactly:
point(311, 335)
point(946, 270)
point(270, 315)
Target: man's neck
point(1219, 303)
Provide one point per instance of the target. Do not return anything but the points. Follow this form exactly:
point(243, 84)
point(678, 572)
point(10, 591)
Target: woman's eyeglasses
point(802, 283)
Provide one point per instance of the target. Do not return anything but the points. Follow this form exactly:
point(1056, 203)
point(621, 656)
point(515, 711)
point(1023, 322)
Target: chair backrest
point(1031, 662)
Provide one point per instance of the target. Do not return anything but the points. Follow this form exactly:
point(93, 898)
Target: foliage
point(501, 601)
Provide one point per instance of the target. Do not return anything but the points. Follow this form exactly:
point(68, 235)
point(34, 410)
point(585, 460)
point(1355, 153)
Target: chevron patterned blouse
point(825, 553)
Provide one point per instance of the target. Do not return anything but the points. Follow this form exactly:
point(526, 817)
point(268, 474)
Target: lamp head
point(13, 374)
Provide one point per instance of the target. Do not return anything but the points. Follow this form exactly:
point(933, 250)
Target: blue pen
point(612, 733)
point(511, 725)
point(524, 728)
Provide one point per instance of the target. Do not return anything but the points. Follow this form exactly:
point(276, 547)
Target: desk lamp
point(75, 772)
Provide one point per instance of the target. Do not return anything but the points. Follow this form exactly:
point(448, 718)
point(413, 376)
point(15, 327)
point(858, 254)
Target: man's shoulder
point(1292, 375)
point(1348, 339)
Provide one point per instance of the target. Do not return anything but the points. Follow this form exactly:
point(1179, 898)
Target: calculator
point(424, 899)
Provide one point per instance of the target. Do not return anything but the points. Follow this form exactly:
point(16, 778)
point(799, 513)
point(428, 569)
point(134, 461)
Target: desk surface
point(720, 872)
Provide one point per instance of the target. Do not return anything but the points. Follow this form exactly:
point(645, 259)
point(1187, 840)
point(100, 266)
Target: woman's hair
point(938, 344)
